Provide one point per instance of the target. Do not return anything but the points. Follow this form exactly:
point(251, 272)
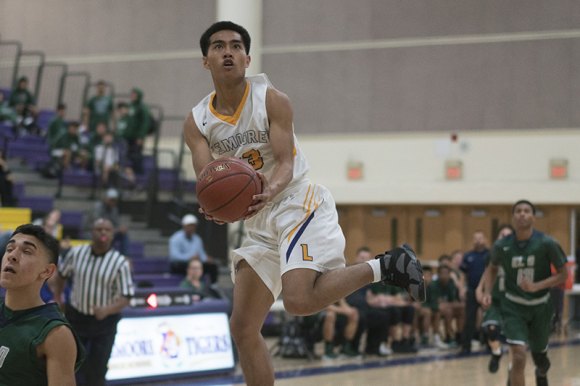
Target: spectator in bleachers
point(52, 225)
point(24, 104)
point(7, 198)
point(108, 208)
point(68, 148)
point(445, 304)
point(57, 127)
point(423, 311)
point(122, 120)
point(99, 108)
point(107, 162)
point(195, 282)
point(373, 318)
point(343, 318)
point(185, 245)
point(7, 113)
point(138, 127)
point(401, 329)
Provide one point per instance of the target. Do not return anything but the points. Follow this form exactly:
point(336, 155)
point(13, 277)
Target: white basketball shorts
point(300, 230)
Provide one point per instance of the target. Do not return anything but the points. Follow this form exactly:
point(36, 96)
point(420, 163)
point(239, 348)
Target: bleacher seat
point(72, 222)
point(157, 280)
point(10, 218)
point(136, 250)
point(77, 177)
point(150, 266)
point(38, 204)
point(44, 118)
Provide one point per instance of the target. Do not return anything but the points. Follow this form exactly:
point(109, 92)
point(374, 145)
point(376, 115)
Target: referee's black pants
point(97, 337)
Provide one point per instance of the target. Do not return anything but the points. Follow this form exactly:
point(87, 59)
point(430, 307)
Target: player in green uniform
point(526, 307)
point(37, 345)
point(492, 320)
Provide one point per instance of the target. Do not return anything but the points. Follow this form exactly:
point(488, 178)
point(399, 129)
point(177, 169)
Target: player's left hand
point(527, 285)
point(260, 200)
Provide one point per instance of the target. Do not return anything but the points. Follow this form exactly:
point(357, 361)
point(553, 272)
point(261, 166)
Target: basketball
point(225, 188)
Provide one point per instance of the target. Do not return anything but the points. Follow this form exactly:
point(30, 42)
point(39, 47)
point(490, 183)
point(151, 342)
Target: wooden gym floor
point(429, 367)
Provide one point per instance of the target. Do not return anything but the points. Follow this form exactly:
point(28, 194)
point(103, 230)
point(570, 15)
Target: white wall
point(499, 167)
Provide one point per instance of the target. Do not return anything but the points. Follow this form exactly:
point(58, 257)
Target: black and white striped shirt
point(97, 280)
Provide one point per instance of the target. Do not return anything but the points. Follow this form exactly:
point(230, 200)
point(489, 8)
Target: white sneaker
point(385, 350)
point(439, 343)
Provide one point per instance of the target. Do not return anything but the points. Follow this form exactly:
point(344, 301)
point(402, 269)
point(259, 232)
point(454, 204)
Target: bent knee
point(299, 307)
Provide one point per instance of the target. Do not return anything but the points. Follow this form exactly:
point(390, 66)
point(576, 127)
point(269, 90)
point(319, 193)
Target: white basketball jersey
point(246, 134)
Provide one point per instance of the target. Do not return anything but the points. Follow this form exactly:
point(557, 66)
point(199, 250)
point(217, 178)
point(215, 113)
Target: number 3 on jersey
point(254, 158)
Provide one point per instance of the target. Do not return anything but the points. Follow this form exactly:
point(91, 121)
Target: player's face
point(523, 216)
point(226, 54)
point(25, 262)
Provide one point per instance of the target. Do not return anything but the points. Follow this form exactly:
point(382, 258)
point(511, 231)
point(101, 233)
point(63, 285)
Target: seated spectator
point(122, 120)
point(185, 245)
point(195, 282)
point(106, 162)
point(24, 104)
point(445, 304)
point(401, 328)
point(7, 113)
point(108, 208)
point(375, 320)
point(68, 148)
point(7, 198)
point(343, 318)
point(57, 127)
point(423, 312)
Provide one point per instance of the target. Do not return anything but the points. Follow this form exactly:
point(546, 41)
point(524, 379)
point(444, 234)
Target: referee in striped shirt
point(101, 288)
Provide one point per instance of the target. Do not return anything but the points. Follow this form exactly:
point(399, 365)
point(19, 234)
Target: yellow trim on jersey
point(231, 119)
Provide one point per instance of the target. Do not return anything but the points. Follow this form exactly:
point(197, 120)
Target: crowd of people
point(108, 140)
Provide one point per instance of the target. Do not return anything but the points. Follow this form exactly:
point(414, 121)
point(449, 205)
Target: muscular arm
point(282, 141)
point(200, 152)
point(60, 350)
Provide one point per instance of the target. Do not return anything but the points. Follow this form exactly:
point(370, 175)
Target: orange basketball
point(225, 188)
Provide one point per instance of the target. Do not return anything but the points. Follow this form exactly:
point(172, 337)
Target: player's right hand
point(210, 218)
point(485, 301)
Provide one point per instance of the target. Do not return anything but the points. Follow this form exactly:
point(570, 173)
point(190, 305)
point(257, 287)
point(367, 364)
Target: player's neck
point(23, 299)
point(524, 233)
point(229, 95)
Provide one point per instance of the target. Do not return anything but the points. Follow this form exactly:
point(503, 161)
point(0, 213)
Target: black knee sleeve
point(541, 361)
point(492, 332)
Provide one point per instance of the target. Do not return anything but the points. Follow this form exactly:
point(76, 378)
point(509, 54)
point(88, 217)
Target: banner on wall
point(171, 344)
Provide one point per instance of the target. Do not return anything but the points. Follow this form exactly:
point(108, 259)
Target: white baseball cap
point(188, 219)
point(112, 194)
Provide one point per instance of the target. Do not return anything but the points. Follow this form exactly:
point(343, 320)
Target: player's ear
point(49, 270)
point(248, 60)
point(204, 61)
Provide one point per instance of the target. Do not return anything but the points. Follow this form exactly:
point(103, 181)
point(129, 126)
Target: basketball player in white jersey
point(294, 246)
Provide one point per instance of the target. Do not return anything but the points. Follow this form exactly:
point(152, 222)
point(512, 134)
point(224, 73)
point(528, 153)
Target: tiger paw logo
point(170, 345)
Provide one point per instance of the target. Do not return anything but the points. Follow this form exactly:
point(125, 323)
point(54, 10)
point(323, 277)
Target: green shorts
point(493, 314)
point(527, 324)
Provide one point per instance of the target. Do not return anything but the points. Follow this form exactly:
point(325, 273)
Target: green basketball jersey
point(529, 259)
point(20, 333)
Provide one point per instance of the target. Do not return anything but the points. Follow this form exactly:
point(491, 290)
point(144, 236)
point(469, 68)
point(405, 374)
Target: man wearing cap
point(185, 244)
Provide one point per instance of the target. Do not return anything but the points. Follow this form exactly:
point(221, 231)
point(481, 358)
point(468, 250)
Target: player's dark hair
point(222, 26)
point(524, 202)
point(41, 235)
